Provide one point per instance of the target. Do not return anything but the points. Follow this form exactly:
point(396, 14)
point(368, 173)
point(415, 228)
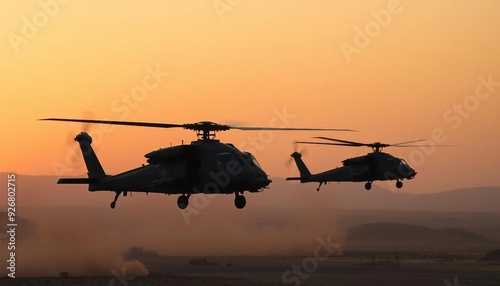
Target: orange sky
point(245, 64)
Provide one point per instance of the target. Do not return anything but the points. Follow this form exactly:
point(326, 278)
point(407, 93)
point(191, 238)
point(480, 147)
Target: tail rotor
point(84, 127)
point(302, 152)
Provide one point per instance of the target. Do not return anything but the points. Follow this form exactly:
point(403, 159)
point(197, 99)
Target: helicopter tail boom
point(304, 172)
point(74, 181)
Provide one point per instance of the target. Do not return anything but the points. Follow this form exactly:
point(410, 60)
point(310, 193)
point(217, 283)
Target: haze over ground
point(82, 235)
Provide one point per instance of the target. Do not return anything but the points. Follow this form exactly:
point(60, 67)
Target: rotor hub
point(206, 130)
point(377, 146)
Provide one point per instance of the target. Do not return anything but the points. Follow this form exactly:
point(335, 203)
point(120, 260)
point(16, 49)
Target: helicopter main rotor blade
point(403, 143)
point(249, 128)
point(425, 145)
point(372, 145)
point(205, 126)
point(326, 143)
point(350, 143)
point(112, 122)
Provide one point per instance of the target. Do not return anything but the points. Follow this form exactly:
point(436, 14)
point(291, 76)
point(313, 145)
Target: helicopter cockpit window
point(403, 162)
point(254, 161)
point(251, 161)
point(223, 160)
point(243, 159)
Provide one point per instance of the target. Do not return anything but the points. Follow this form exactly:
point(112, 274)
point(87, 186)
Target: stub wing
point(75, 181)
point(165, 182)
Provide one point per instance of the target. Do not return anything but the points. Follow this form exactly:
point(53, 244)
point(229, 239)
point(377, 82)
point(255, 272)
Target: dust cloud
point(77, 232)
point(92, 242)
point(67, 244)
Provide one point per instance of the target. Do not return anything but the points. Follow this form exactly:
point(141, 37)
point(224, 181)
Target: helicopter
point(205, 166)
point(375, 166)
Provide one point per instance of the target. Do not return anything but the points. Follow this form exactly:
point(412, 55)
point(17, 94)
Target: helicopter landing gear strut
point(399, 184)
point(183, 201)
point(113, 203)
point(320, 183)
point(239, 201)
point(368, 186)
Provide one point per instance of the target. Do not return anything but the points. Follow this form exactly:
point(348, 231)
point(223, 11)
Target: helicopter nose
point(407, 172)
point(261, 181)
point(412, 173)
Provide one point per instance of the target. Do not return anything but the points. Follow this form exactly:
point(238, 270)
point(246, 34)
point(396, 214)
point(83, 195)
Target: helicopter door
point(208, 166)
point(179, 170)
point(193, 171)
point(222, 162)
point(214, 164)
point(372, 168)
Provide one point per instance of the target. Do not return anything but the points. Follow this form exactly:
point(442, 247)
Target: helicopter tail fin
point(304, 172)
point(95, 170)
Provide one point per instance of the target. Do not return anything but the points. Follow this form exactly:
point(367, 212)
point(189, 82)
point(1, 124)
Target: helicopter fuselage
point(371, 167)
point(206, 166)
point(376, 166)
point(203, 167)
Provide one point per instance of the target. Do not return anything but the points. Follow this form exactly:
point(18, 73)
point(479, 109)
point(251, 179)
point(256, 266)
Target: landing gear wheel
point(113, 203)
point(399, 184)
point(368, 186)
point(182, 202)
point(320, 183)
point(240, 201)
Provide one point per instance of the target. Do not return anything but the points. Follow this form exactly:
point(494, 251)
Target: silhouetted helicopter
point(375, 166)
point(205, 166)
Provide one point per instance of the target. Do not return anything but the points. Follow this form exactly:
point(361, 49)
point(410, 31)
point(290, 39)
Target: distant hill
point(353, 196)
point(407, 233)
point(411, 235)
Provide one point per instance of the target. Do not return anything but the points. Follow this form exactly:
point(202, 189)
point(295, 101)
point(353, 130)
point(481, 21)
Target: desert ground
point(351, 269)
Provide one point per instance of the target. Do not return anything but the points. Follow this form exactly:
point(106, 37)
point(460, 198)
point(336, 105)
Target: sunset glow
point(394, 70)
